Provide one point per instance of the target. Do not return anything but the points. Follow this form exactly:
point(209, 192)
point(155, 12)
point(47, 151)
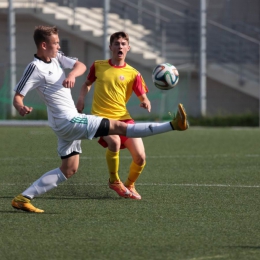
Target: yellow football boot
point(20, 202)
point(180, 122)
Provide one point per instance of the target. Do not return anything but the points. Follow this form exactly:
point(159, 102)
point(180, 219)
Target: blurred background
point(215, 45)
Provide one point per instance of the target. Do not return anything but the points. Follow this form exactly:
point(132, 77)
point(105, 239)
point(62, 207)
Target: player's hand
point(146, 104)
point(80, 106)
point(25, 110)
point(69, 82)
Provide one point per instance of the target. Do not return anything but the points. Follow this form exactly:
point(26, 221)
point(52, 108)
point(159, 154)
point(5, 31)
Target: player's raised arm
point(20, 107)
point(78, 69)
point(83, 92)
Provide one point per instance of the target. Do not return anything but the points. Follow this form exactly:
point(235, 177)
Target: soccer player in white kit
point(45, 74)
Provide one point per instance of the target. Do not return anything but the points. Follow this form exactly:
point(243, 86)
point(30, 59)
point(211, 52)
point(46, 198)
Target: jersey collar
point(110, 62)
point(35, 55)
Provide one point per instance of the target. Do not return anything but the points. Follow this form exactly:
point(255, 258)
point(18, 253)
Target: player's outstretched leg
point(21, 202)
point(120, 189)
point(180, 122)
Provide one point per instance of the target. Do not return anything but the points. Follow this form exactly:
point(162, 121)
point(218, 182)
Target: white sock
point(46, 182)
point(147, 129)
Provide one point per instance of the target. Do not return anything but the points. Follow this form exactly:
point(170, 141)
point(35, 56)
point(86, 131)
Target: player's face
point(119, 49)
point(52, 46)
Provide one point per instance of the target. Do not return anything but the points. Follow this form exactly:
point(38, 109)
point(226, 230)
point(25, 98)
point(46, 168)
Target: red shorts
point(102, 142)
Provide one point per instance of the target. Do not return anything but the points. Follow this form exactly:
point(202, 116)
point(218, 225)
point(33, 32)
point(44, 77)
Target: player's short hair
point(41, 33)
point(118, 35)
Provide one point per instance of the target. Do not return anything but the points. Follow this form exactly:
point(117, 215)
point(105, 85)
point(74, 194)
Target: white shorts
point(70, 133)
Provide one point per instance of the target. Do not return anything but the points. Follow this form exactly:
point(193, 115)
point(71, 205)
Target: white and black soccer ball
point(165, 76)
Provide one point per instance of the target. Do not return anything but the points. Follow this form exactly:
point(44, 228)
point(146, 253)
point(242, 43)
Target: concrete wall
point(221, 99)
point(224, 100)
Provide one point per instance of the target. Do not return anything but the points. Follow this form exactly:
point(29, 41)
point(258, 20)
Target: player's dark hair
point(42, 33)
point(118, 35)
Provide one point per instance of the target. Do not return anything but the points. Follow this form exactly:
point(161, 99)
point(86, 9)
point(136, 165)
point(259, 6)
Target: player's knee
point(114, 146)
point(113, 142)
point(117, 128)
point(74, 170)
point(140, 160)
point(71, 171)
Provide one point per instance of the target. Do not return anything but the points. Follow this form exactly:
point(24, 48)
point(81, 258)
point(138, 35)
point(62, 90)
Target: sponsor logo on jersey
point(121, 77)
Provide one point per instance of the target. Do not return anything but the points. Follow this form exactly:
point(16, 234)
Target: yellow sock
point(134, 172)
point(113, 165)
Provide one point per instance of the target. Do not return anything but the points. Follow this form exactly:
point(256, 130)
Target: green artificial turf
point(200, 199)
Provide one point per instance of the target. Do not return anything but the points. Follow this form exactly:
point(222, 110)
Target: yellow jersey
point(113, 88)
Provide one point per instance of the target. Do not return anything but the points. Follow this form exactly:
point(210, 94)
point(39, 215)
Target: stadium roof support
point(203, 58)
point(12, 52)
point(105, 37)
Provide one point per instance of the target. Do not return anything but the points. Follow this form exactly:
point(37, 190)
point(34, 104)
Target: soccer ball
point(165, 76)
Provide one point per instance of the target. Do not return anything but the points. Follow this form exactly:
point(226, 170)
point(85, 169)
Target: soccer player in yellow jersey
point(115, 82)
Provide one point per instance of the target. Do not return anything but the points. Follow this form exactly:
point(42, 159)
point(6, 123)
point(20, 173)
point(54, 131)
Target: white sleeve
point(66, 62)
point(30, 80)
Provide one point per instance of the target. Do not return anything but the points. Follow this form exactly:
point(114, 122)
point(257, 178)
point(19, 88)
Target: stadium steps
point(88, 25)
point(178, 54)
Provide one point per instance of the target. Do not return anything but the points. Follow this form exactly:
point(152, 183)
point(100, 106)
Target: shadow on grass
point(58, 197)
point(70, 197)
point(26, 212)
point(13, 211)
point(79, 198)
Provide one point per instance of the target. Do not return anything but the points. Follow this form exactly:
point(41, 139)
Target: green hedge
point(250, 120)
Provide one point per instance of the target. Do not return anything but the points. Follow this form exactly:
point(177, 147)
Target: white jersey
point(47, 79)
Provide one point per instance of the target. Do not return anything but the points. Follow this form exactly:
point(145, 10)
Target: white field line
point(227, 256)
point(152, 184)
point(209, 257)
point(149, 156)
